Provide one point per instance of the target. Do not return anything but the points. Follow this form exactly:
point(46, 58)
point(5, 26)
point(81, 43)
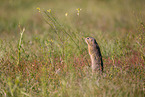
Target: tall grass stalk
point(55, 25)
point(19, 45)
point(61, 33)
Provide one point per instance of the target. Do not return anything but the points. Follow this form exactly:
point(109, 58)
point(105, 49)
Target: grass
point(51, 59)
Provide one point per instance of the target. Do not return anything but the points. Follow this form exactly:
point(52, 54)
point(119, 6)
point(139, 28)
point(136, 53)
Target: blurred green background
point(102, 15)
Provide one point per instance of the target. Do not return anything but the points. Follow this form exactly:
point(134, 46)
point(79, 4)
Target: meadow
point(43, 52)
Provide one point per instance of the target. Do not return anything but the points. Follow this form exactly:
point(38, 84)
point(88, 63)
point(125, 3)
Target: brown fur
point(95, 54)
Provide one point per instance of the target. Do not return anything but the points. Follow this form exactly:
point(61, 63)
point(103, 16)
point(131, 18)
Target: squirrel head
point(91, 41)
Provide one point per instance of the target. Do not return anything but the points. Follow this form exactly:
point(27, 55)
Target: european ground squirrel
point(95, 54)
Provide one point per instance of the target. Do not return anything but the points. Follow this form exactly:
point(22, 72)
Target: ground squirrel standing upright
point(95, 54)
